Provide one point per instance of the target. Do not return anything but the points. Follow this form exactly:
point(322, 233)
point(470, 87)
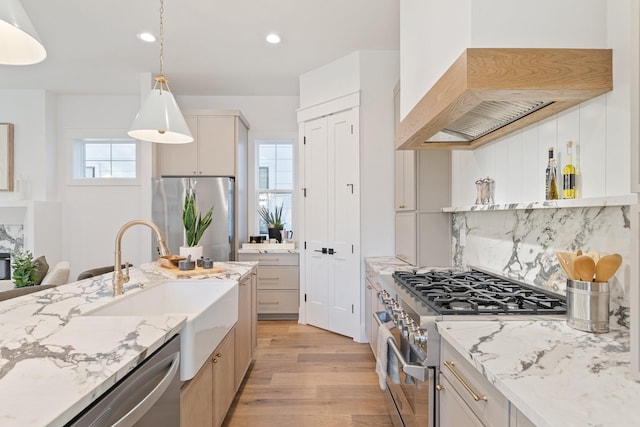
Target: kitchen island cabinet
point(246, 328)
point(205, 399)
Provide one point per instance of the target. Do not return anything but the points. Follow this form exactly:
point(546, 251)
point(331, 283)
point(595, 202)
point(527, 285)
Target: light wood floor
point(305, 376)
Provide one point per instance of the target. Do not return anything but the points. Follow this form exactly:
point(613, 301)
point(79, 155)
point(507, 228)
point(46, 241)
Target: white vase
point(194, 251)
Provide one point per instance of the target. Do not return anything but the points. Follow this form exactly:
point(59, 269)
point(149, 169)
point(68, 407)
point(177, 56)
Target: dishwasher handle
point(150, 399)
point(419, 372)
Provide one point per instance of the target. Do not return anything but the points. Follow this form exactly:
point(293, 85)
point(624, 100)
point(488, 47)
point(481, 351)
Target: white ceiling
point(212, 47)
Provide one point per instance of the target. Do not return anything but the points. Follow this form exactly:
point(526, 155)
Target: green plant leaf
point(194, 224)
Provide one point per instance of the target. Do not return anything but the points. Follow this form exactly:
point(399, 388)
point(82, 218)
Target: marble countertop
point(55, 362)
point(555, 375)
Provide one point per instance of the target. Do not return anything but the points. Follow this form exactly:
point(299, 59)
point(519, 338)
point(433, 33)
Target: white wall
point(93, 214)
point(379, 73)
point(433, 34)
point(27, 110)
point(330, 81)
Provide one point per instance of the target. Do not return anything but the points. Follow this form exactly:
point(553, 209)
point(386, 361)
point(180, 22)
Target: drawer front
point(271, 277)
point(277, 301)
point(493, 407)
point(271, 259)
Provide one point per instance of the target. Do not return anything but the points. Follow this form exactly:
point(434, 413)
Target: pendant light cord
point(162, 38)
point(161, 78)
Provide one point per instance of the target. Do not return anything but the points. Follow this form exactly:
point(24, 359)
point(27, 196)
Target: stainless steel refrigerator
point(219, 240)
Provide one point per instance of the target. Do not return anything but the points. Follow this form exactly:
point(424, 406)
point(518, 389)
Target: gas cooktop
point(478, 292)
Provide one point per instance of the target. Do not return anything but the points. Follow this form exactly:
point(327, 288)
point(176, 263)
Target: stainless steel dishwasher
point(148, 396)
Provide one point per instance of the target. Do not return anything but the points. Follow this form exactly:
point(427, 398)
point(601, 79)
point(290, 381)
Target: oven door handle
point(419, 372)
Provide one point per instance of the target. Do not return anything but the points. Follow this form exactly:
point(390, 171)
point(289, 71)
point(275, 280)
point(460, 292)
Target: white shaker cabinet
point(278, 283)
point(453, 410)
point(423, 236)
point(405, 180)
point(463, 389)
point(214, 152)
point(406, 237)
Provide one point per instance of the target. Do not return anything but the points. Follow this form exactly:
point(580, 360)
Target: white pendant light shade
point(20, 44)
point(160, 120)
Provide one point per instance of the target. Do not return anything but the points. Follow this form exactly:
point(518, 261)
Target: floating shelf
point(629, 199)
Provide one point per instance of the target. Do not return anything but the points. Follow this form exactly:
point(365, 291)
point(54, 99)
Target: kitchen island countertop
point(54, 362)
point(555, 375)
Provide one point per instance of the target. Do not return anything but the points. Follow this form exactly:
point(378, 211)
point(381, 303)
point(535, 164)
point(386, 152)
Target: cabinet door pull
point(473, 394)
point(439, 387)
point(268, 259)
point(269, 302)
point(269, 278)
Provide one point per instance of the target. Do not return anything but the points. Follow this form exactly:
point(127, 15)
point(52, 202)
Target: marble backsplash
point(11, 237)
point(522, 244)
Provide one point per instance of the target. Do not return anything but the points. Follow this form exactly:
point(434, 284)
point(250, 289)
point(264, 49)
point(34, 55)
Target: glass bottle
point(569, 175)
point(551, 182)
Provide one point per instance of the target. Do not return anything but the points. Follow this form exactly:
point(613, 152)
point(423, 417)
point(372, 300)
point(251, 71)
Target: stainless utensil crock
point(588, 306)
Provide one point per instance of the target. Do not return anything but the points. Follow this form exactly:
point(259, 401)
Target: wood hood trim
point(563, 77)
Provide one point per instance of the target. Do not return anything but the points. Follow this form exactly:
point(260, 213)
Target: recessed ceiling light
point(273, 38)
point(147, 37)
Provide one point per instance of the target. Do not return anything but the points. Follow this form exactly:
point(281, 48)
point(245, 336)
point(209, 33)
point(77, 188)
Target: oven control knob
point(418, 338)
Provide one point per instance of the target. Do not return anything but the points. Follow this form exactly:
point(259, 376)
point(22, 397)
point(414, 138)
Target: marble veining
point(555, 375)
point(522, 244)
point(55, 362)
point(11, 237)
point(387, 264)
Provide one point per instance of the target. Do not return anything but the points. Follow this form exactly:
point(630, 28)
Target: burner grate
point(478, 292)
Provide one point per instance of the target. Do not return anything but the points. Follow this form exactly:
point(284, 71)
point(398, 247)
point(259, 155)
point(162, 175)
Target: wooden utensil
point(564, 258)
point(584, 268)
point(607, 267)
point(594, 255)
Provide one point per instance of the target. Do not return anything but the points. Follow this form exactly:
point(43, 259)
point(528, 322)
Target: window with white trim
point(105, 158)
point(274, 179)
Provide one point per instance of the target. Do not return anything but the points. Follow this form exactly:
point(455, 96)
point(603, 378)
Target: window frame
point(75, 139)
point(257, 191)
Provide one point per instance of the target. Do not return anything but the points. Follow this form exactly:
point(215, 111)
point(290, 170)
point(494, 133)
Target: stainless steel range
point(414, 301)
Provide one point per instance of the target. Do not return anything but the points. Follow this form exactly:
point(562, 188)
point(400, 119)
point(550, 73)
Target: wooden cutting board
point(198, 271)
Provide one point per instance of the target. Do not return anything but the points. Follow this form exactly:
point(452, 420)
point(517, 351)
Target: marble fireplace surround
point(11, 237)
point(522, 244)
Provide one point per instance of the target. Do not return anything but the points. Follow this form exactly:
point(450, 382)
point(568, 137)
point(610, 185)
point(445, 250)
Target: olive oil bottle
point(551, 181)
point(569, 175)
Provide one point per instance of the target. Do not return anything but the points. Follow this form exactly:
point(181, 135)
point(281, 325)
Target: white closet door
point(344, 223)
point(316, 225)
point(331, 222)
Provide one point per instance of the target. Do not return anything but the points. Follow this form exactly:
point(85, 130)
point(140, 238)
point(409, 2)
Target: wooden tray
point(198, 271)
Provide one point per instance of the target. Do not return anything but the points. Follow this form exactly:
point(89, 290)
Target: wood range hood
point(489, 93)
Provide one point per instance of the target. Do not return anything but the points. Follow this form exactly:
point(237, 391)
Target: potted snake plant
point(273, 220)
point(194, 226)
